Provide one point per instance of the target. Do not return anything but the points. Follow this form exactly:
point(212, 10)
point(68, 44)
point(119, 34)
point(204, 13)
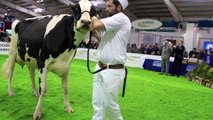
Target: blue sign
point(9, 18)
point(190, 67)
point(156, 63)
point(208, 44)
point(2, 26)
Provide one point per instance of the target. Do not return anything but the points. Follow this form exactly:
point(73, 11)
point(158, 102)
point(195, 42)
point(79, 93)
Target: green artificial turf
point(149, 96)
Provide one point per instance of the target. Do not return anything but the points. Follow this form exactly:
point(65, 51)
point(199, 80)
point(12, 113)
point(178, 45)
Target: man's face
point(111, 9)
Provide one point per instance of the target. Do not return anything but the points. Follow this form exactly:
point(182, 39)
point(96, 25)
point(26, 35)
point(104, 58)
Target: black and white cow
point(49, 44)
point(4, 37)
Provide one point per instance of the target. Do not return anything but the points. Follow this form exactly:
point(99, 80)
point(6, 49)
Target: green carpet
point(149, 96)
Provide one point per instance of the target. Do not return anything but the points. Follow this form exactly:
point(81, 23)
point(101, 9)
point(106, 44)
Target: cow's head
point(82, 12)
point(4, 37)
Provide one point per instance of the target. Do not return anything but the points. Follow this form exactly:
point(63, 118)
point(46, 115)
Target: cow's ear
point(75, 9)
point(93, 11)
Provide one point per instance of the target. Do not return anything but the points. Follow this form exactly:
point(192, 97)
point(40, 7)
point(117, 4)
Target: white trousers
point(106, 87)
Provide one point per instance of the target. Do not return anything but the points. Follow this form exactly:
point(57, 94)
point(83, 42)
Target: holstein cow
point(49, 44)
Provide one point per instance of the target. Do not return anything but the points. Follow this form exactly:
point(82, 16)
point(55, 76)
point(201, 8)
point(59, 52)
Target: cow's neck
point(79, 36)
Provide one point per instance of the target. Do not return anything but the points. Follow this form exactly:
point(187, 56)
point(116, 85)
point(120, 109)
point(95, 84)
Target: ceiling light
point(95, 3)
point(39, 1)
point(38, 10)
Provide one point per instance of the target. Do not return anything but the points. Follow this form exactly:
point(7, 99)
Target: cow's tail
point(4, 69)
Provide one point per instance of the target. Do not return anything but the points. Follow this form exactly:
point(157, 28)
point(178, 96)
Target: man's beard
point(111, 14)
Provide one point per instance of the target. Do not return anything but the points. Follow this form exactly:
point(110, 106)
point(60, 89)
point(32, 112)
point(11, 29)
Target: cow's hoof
point(37, 116)
point(69, 110)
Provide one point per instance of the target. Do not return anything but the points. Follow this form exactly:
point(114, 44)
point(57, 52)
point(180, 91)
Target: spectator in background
point(149, 50)
point(173, 50)
point(128, 49)
point(178, 57)
point(83, 44)
point(193, 53)
point(201, 55)
point(209, 51)
point(134, 49)
point(4, 37)
point(158, 52)
point(145, 49)
point(155, 48)
point(95, 45)
point(166, 50)
point(142, 48)
point(185, 54)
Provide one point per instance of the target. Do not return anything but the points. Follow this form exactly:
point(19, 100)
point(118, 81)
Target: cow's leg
point(43, 85)
point(65, 80)
point(32, 76)
point(10, 70)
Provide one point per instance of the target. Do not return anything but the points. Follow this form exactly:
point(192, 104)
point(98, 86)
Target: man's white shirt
point(112, 48)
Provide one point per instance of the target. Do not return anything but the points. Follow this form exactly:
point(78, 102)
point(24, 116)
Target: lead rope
point(124, 84)
point(89, 43)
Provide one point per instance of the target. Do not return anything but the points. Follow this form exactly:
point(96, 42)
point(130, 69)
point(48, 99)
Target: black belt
point(106, 66)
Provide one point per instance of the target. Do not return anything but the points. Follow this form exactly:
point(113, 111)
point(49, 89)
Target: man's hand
point(170, 44)
point(96, 35)
point(97, 24)
point(94, 20)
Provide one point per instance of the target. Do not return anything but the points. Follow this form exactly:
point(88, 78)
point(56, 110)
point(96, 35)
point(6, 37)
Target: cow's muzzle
point(86, 23)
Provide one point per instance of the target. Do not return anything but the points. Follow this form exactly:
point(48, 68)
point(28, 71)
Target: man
point(209, 51)
point(193, 53)
point(115, 31)
point(166, 50)
point(134, 49)
point(142, 48)
point(178, 55)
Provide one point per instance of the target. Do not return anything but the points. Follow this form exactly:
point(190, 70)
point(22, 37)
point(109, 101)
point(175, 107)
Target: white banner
point(133, 59)
point(82, 54)
point(4, 47)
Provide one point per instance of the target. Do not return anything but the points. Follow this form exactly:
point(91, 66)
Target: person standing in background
point(178, 57)
point(115, 32)
point(166, 50)
point(209, 51)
